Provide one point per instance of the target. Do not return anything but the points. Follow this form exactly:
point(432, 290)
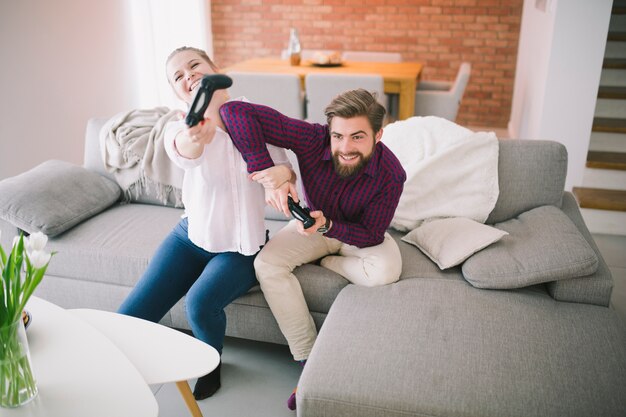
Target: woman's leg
point(172, 270)
point(227, 276)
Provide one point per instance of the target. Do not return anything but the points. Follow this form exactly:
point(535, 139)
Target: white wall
point(558, 74)
point(62, 62)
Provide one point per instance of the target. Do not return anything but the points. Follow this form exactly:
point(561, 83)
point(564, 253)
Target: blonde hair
point(353, 103)
point(200, 52)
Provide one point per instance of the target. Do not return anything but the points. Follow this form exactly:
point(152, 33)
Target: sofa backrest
point(93, 161)
point(92, 156)
point(531, 173)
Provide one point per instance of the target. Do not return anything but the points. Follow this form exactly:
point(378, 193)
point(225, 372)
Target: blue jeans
point(210, 280)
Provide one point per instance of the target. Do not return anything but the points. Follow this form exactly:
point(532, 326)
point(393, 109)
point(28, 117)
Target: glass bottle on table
point(294, 49)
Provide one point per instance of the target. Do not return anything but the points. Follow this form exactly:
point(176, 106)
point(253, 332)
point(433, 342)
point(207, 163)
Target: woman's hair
point(355, 103)
point(200, 52)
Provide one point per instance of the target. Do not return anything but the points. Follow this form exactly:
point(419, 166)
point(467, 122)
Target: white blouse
point(225, 209)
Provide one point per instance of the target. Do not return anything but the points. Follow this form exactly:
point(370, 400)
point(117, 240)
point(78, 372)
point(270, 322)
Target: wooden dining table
point(400, 77)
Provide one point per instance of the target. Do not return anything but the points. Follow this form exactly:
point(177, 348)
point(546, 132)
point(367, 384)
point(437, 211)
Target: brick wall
point(439, 33)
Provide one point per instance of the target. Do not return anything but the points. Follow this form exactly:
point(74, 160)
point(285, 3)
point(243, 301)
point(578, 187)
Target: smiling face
point(185, 70)
point(352, 143)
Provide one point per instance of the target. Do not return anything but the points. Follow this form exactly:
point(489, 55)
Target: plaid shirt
point(361, 207)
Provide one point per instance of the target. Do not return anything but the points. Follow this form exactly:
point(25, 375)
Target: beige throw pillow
point(450, 241)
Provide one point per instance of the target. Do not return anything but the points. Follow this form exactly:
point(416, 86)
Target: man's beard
point(347, 171)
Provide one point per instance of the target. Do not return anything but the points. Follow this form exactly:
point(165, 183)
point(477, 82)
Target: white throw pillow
point(450, 241)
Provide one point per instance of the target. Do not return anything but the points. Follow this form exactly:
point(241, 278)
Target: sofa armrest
point(592, 289)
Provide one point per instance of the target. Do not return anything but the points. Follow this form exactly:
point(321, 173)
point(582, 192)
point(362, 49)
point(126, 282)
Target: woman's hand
point(272, 177)
point(202, 133)
point(190, 141)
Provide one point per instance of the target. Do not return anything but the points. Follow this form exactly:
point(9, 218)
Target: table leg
point(406, 105)
point(185, 391)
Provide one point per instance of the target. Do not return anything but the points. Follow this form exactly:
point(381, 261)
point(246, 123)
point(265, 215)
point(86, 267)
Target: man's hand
point(277, 197)
point(279, 182)
point(320, 221)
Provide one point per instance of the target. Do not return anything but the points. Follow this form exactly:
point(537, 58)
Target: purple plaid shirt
point(360, 207)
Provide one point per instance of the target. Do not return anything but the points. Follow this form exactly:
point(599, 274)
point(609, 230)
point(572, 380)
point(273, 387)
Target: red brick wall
point(439, 33)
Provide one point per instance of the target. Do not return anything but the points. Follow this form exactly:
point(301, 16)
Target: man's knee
point(383, 274)
point(268, 265)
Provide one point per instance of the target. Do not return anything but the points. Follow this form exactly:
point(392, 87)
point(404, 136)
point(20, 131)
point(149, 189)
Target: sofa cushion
point(531, 173)
point(543, 245)
point(450, 241)
point(55, 196)
point(592, 289)
point(113, 247)
point(442, 348)
point(320, 287)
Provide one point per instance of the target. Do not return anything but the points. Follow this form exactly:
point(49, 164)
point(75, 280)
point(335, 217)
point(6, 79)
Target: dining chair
point(321, 89)
point(360, 56)
point(371, 56)
point(442, 98)
point(282, 92)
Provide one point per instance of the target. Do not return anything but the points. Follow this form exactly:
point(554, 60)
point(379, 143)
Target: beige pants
point(372, 266)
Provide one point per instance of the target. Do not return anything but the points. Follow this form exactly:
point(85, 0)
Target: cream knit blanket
point(132, 150)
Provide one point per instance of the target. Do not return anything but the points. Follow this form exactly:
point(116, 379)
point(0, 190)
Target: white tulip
point(37, 241)
point(39, 258)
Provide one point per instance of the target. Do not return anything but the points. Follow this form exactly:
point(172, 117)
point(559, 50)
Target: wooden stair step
point(606, 160)
point(601, 199)
point(612, 92)
point(607, 124)
point(617, 35)
point(614, 63)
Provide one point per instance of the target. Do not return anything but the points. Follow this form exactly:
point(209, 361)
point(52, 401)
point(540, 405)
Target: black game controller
point(208, 85)
point(300, 213)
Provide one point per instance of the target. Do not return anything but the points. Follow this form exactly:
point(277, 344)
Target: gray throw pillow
point(542, 245)
point(55, 196)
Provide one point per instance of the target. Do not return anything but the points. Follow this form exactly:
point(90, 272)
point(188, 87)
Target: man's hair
point(355, 103)
point(200, 52)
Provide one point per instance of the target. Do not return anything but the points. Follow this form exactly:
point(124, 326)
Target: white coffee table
point(161, 354)
point(79, 371)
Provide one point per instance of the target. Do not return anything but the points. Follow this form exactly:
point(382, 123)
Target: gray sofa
point(431, 344)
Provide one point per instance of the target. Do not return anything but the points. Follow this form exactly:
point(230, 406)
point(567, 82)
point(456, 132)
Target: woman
point(209, 255)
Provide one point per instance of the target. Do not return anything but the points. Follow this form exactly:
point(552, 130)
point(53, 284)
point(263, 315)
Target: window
point(158, 27)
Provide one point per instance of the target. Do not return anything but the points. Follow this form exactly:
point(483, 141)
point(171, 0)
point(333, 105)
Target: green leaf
point(3, 257)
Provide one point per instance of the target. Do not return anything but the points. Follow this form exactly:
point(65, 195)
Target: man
point(352, 184)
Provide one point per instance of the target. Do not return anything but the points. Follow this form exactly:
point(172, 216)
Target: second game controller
point(300, 213)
